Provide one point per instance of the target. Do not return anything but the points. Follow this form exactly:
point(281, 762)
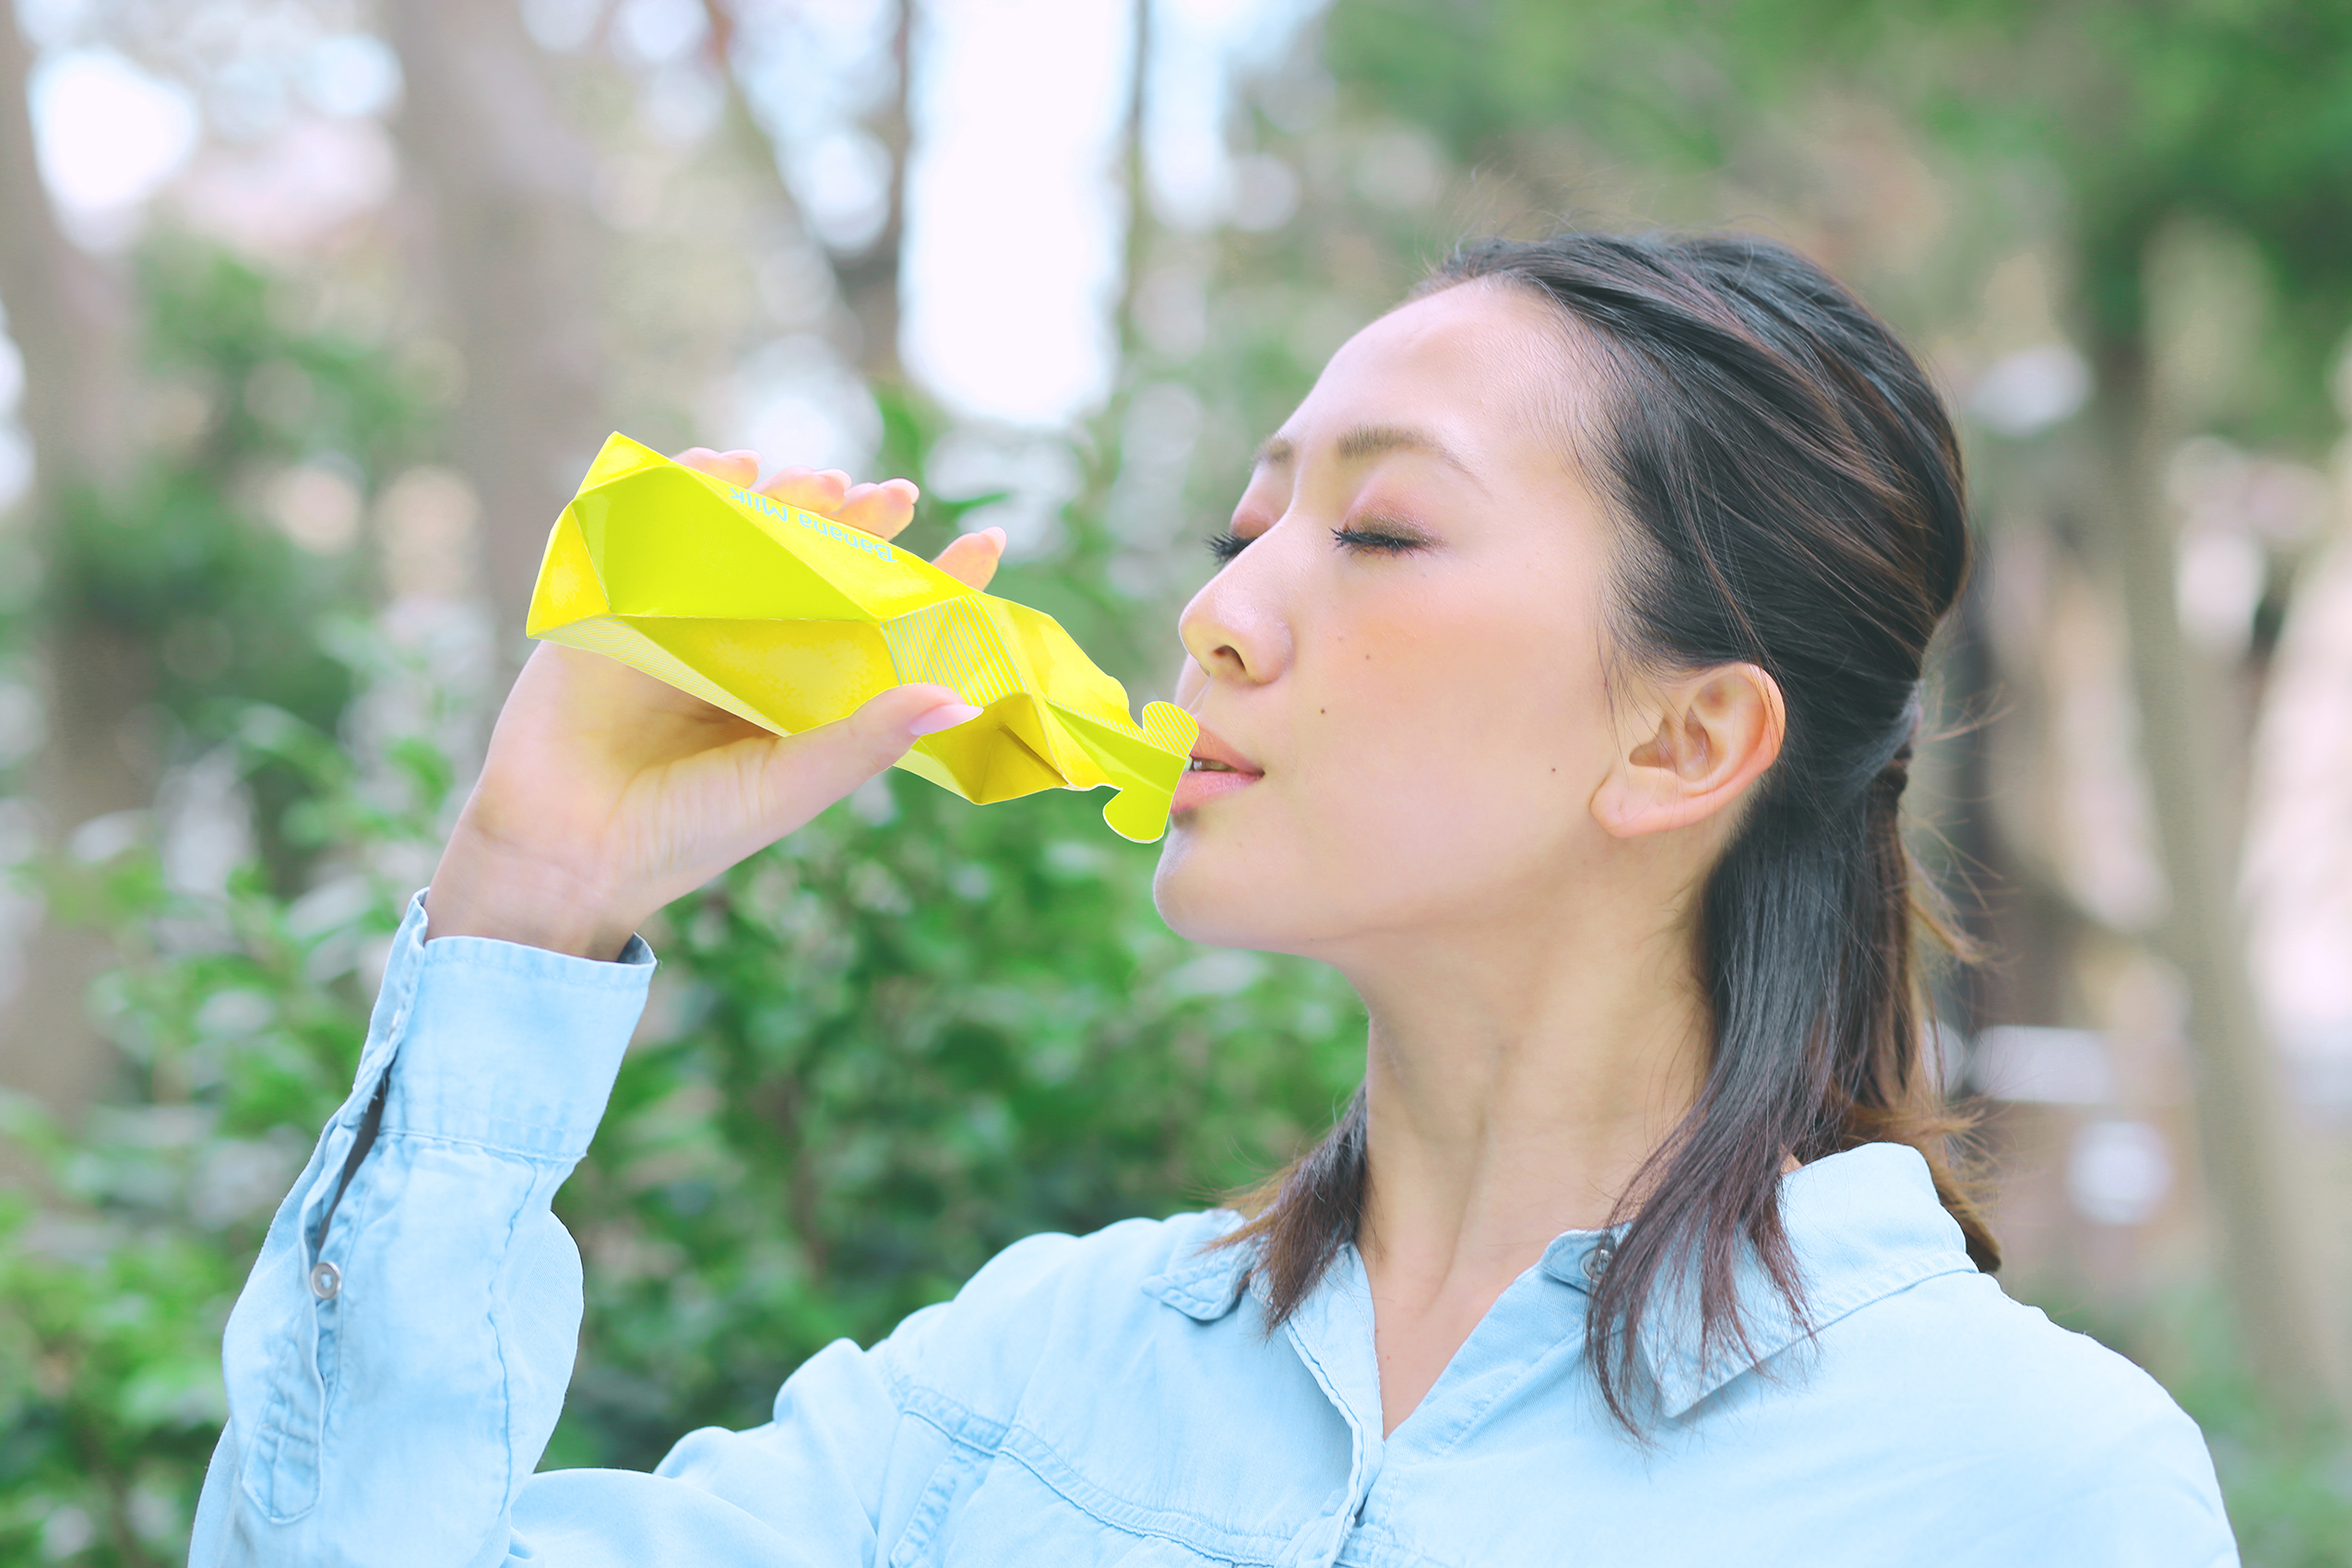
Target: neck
point(1518, 1077)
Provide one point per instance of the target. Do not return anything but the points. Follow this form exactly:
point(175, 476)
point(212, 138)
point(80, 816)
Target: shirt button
point(1596, 1261)
point(325, 1281)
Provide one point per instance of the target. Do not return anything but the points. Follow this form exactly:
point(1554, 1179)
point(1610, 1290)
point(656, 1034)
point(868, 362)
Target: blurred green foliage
point(176, 564)
point(178, 554)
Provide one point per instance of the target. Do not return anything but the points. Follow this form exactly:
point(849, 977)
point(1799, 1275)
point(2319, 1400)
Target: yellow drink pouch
point(791, 620)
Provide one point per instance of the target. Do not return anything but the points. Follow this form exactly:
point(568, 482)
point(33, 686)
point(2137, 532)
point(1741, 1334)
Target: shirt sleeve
point(839, 1471)
point(396, 1362)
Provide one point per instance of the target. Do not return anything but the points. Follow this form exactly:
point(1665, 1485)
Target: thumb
point(824, 764)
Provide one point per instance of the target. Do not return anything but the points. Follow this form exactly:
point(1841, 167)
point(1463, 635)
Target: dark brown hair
point(1790, 492)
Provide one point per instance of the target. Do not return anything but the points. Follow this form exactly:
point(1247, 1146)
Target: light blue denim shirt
point(396, 1362)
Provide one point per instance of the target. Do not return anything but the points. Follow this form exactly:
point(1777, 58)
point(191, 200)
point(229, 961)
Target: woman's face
point(1404, 664)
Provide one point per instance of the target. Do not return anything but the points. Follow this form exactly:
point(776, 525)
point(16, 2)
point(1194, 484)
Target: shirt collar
point(1863, 1225)
point(1204, 1282)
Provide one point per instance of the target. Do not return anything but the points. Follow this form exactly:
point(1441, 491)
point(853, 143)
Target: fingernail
point(945, 717)
point(998, 535)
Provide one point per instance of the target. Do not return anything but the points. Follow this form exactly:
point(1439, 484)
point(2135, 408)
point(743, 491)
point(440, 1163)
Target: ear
point(1716, 731)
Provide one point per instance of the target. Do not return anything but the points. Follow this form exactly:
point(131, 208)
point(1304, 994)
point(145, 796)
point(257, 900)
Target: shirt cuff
point(502, 1045)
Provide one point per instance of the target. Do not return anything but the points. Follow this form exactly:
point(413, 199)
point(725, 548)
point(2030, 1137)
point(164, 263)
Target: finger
point(809, 771)
point(972, 559)
point(813, 490)
point(880, 509)
point(737, 467)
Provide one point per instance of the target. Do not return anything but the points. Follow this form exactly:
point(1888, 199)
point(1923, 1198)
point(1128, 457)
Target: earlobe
point(1716, 733)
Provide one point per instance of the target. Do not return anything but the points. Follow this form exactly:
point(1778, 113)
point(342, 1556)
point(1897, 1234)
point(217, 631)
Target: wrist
point(481, 890)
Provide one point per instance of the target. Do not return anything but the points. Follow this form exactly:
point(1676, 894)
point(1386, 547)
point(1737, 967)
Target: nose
point(1234, 628)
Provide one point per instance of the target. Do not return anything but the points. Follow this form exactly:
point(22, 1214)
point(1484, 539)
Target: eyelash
point(1374, 542)
point(1229, 545)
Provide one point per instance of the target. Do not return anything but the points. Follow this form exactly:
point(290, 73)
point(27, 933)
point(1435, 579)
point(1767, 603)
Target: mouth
point(1214, 770)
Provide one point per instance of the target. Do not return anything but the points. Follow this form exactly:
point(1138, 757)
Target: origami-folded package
point(791, 620)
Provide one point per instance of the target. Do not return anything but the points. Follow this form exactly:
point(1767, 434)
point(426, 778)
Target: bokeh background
point(315, 309)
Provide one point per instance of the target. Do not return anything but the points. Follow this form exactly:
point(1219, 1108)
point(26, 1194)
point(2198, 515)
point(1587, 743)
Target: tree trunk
point(1133, 188)
point(2251, 1148)
point(71, 323)
point(869, 281)
point(517, 247)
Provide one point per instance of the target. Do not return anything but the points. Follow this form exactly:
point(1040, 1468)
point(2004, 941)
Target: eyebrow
point(1371, 440)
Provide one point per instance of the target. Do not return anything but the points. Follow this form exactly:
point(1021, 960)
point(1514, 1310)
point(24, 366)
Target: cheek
point(1454, 741)
point(1490, 702)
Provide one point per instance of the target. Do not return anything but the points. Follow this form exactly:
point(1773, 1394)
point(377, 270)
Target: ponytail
point(1789, 493)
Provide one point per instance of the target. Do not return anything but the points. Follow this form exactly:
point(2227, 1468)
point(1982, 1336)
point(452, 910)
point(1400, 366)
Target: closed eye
point(1376, 542)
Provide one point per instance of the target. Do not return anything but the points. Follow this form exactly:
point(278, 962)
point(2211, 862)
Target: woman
point(1557, 689)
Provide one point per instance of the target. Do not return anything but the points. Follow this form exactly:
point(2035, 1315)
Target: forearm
point(399, 1358)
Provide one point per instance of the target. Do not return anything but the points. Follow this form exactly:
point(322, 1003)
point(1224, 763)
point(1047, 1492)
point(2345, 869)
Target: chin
point(1178, 889)
point(1209, 893)
point(1223, 894)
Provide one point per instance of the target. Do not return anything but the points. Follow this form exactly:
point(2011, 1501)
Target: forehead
point(1478, 363)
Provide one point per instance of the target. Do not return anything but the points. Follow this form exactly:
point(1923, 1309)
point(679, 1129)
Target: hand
point(606, 794)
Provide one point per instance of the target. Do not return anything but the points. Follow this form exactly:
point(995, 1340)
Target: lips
point(1215, 770)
